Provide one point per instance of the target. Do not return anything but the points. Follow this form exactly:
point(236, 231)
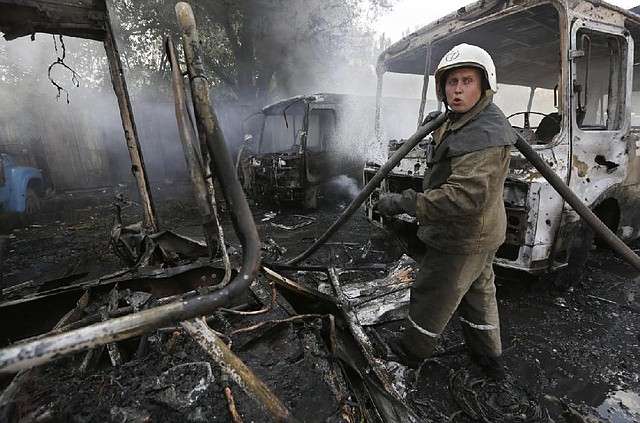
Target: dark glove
point(431, 116)
point(391, 204)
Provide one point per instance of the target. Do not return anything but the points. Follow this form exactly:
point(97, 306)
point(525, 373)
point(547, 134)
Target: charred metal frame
point(35, 352)
point(601, 229)
point(285, 175)
point(194, 163)
point(130, 132)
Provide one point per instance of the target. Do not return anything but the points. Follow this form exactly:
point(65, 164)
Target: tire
point(33, 204)
point(610, 216)
point(580, 247)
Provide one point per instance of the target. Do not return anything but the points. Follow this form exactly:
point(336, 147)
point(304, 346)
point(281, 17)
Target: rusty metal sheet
point(386, 299)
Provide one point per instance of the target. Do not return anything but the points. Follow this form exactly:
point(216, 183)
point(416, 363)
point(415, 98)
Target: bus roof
point(520, 36)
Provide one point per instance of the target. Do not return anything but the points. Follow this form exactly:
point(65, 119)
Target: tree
point(253, 47)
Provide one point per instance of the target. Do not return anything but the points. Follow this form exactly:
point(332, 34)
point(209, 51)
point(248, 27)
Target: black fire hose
point(408, 145)
point(565, 192)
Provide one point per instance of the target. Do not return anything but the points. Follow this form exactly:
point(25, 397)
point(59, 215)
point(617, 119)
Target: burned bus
point(309, 147)
point(289, 160)
point(568, 84)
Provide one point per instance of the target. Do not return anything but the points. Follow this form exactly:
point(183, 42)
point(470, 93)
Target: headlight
point(282, 162)
point(255, 162)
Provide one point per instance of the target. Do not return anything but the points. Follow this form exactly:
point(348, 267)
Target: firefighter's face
point(463, 88)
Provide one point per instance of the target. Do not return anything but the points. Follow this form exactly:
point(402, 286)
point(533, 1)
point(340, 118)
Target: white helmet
point(465, 55)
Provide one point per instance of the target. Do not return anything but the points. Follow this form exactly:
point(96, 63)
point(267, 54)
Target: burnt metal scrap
point(198, 160)
point(241, 374)
point(398, 409)
point(29, 353)
point(39, 351)
point(370, 365)
point(213, 146)
point(272, 249)
point(38, 312)
point(488, 401)
point(292, 222)
point(358, 289)
point(383, 299)
point(235, 335)
point(137, 247)
point(391, 385)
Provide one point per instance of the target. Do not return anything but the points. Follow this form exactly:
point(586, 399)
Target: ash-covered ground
point(572, 354)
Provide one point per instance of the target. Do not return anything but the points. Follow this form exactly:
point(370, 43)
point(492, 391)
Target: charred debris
point(218, 327)
point(191, 313)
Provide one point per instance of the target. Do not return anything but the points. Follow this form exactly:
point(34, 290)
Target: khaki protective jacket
point(461, 209)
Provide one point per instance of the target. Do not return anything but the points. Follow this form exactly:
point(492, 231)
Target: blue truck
point(21, 188)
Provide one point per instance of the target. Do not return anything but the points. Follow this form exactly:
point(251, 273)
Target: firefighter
point(461, 215)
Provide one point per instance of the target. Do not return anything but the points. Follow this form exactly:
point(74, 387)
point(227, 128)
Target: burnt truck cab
point(294, 154)
point(568, 84)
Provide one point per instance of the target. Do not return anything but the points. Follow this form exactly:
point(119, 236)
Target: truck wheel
point(311, 198)
point(610, 216)
point(579, 251)
point(32, 201)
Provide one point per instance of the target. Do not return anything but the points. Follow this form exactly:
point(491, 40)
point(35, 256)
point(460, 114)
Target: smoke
point(314, 45)
point(356, 127)
point(343, 186)
point(317, 46)
point(75, 134)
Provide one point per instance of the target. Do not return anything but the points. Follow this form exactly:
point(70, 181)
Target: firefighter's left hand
point(392, 204)
point(389, 205)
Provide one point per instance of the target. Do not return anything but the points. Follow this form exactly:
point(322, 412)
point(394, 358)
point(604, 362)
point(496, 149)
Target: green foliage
point(253, 47)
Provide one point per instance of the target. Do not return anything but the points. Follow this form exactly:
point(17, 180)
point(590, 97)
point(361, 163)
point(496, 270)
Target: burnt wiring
point(298, 317)
point(231, 402)
point(495, 401)
point(75, 78)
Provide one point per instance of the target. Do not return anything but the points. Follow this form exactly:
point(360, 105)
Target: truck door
point(601, 61)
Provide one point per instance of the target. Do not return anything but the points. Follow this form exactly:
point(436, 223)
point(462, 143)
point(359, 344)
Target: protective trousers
point(446, 283)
